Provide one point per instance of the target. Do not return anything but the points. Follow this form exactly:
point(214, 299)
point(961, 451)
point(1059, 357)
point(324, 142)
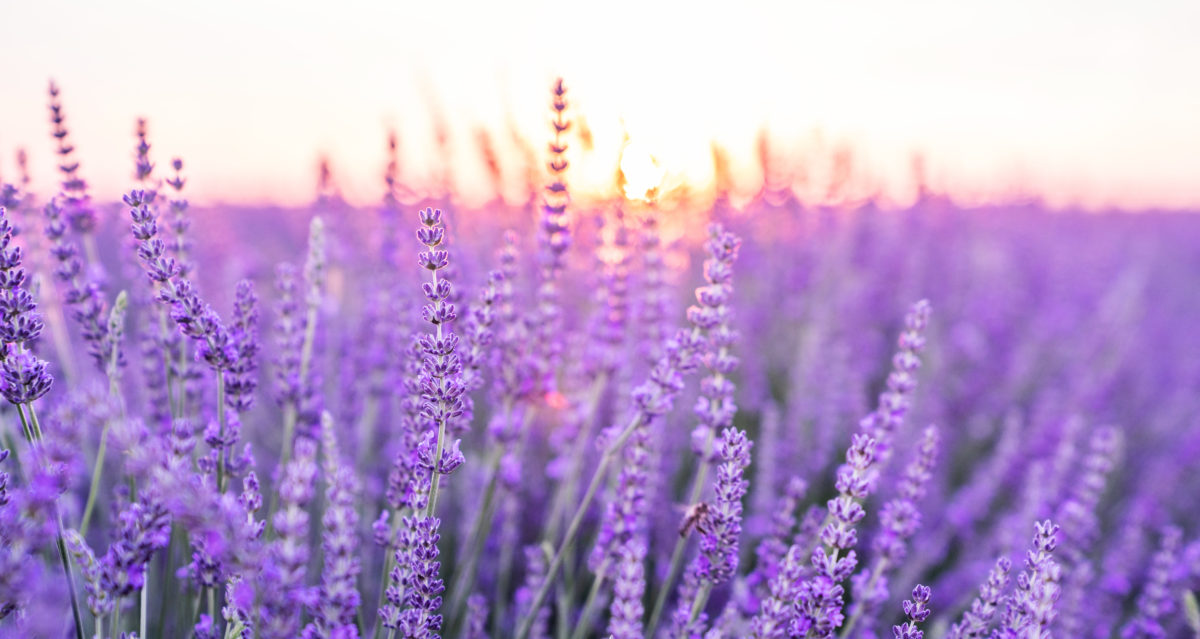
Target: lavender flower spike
point(1030, 610)
point(23, 376)
point(422, 584)
point(78, 205)
point(441, 370)
point(917, 611)
point(554, 239)
point(976, 621)
point(338, 597)
point(718, 558)
point(283, 575)
point(1156, 600)
point(894, 401)
point(818, 610)
point(901, 519)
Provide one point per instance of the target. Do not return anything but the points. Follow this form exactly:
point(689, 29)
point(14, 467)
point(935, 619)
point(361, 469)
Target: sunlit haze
point(1091, 104)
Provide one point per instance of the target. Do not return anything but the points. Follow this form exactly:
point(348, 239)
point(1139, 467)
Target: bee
point(695, 517)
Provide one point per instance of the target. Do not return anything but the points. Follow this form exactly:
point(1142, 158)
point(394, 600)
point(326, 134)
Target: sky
point(1092, 104)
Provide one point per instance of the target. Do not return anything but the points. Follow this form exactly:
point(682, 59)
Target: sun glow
point(641, 174)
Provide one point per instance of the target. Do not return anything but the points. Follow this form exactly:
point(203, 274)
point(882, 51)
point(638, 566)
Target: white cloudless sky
point(1092, 103)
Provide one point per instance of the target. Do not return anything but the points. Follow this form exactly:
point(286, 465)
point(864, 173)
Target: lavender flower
point(83, 292)
point(1030, 610)
point(79, 211)
point(181, 247)
point(145, 528)
point(917, 611)
point(289, 336)
point(1156, 600)
point(338, 597)
point(423, 586)
point(526, 598)
point(622, 541)
point(715, 408)
point(719, 543)
point(441, 369)
point(476, 617)
point(977, 620)
point(241, 380)
point(23, 377)
point(819, 608)
point(283, 588)
point(19, 323)
point(901, 519)
point(777, 614)
point(895, 400)
point(194, 317)
point(98, 600)
point(554, 239)
point(1080, 525)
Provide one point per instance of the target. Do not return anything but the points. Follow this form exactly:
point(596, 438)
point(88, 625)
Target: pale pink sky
point(1095, 103)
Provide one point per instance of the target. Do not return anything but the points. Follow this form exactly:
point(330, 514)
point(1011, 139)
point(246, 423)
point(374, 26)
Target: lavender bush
point(931, 422)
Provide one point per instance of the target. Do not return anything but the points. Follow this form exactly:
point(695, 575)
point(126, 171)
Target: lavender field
point(579, 417)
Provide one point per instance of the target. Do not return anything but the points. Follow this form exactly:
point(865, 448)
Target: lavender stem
point(676, 565)
point(598, 475)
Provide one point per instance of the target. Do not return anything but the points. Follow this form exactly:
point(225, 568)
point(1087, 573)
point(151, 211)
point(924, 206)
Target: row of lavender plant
point(930, 422)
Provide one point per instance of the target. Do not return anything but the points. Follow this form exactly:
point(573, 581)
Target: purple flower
point(819, 607)
point(917, 611)
point(195, 318)
point(1030, 610)
point(78, 204)
point(241, 380)
point(894, 401)
point(338, 598)
point(19, 321)
point(289, 336)
point(144, 528)
point(284, 588)
point(181, 246)
point(719, 543)
point(977, 620)
point(901, 519)
point(423, 586)
point(554, 238)
point(441, 368)
point(1157, 600)
point(83, 294)
point(143, 167)
point(476, 617)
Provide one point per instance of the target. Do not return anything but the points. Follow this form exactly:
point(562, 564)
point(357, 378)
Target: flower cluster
point(23, 376)
point(167, 498)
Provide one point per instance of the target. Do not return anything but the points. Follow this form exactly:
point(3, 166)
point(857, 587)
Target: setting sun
point(641, 174)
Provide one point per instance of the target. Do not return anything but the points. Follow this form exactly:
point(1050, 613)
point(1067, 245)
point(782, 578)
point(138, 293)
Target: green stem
point(464, 574)
point(94, 490)
point(660, 602)
point(431, 507)
point(221, 430)
point(573, 529)
point(144, 604)
point(700, 602)
point(566, 489)
point(860, 610)
point(585, 616)
point(212, 604)
point(33, 430)
point(66, 564)
point(389, 561)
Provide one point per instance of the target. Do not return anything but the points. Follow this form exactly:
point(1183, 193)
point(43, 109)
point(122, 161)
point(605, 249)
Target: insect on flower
point(695, 518)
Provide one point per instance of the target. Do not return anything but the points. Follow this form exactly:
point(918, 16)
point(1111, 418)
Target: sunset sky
point(1092, 103)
